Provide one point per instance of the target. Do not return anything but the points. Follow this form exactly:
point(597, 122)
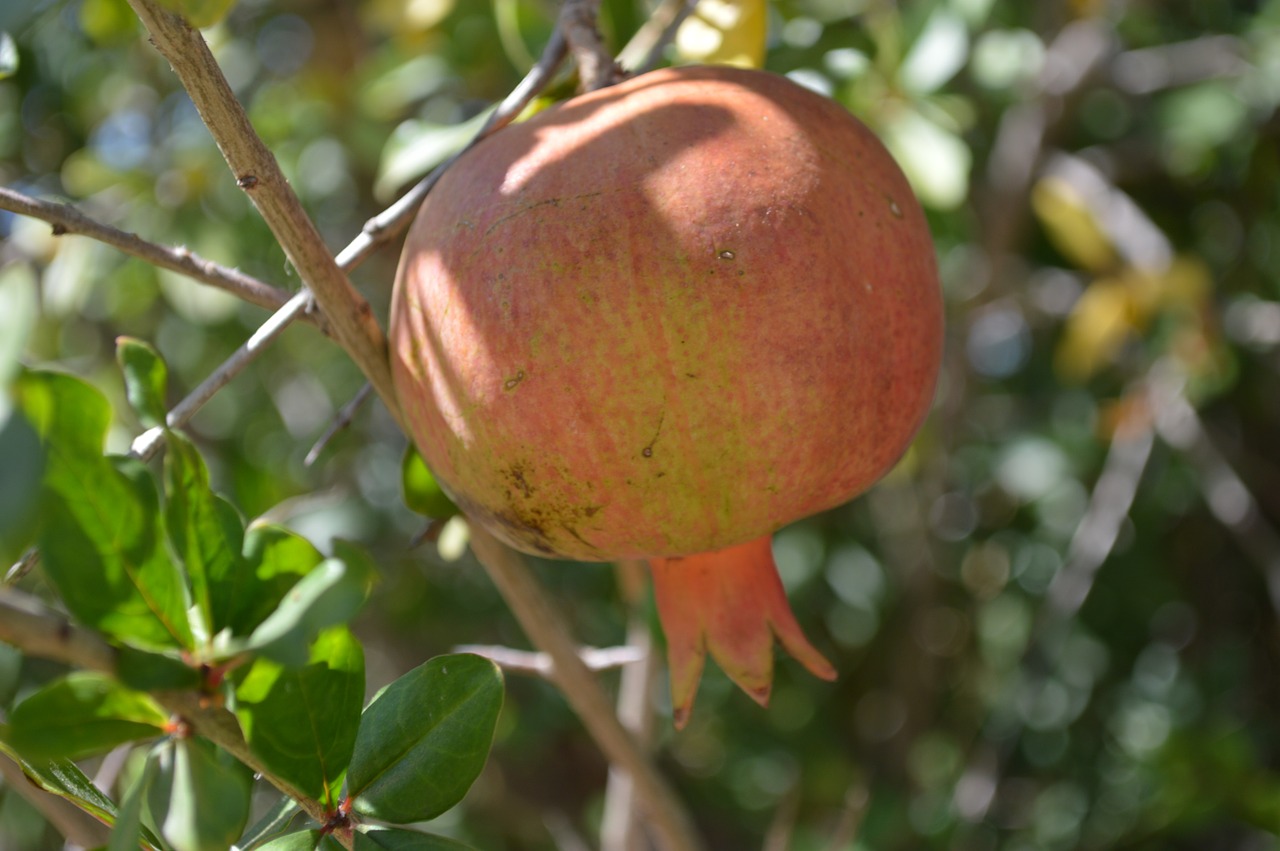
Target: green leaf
point(206, 531)
point(146, 379)
point(302, 722)
point(22, 459)
point(8, 56)
point(416, 147)
point(327, 596)
point(423, 742)
point(199, 798)
point(100, 529)
point(147, 671)
point(19, 299)
point(304, 840)
point(274, 560)
point(397, 839)
point(422, 493)
point(271, 826)
point(83, 713)
point(128, 827)
point(63, 778)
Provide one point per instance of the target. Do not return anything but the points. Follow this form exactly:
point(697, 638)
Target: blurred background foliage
point(1056, 621)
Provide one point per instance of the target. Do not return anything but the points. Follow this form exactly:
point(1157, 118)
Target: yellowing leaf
point(725, 32)
point(1098, 325)
point(1071, 225)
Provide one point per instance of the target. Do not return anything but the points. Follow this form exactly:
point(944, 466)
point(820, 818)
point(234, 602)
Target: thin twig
point(149, 442)
point(620, 824)
point(258, 174)
point(343, 419)
point(66, 219)
point(540, 664)
point(539, 618)
point(1109, 506)
point(1228, 497)
point(646, 47)
point(579, 22)
point(34, 628)
point(391, 222)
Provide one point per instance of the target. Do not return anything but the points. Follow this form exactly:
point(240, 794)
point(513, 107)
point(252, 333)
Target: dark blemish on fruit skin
point(516, 476)
point(510, 383)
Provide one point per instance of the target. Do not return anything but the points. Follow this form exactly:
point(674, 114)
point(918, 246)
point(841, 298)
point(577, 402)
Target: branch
point(645, 48)
point(390, 223)
point(149, 442)
point(67, 219)
point(259, 175)
point(545, 625)
point(540, 664)
point(32, 627)
point(579, 22)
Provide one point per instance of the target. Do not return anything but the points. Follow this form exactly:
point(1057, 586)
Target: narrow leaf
point(63, 778)
point(423, 742)
point(100, 529)
point(206, 530)
point(199, 797)
point(274, 560)
point(83, 713)
point(146, 379)
point(272, 826)
point(328, 595)
point(302, 722)
point(128, 827)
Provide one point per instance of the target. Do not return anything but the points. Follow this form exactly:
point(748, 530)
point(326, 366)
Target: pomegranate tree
point(662, 320)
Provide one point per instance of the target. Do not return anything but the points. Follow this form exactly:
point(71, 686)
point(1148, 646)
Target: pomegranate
point(662, 320)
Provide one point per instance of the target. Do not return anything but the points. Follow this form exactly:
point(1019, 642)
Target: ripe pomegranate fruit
point(662, 320)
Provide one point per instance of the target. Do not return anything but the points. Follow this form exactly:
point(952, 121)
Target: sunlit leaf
point(275, 558)
point(8, 56)
point(1100, 322)
point(725, 32)
point(422, 491)
point(328, 595)
point(199, 797)
point(424, 740)
point(145, 379)
point(18, 310)
point(937, 54)
point(206, 531)
point(934, 158)
point(1071, 225)
point(100, 528)
point(416, 147)
point(302, 722)
point(82, 714)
